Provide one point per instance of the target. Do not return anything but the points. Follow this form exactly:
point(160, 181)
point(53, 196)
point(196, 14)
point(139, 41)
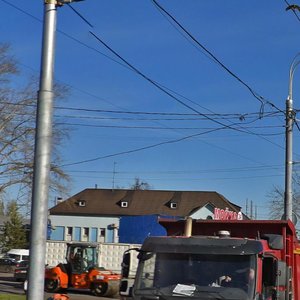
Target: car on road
point(20, 272)
point(8, 265)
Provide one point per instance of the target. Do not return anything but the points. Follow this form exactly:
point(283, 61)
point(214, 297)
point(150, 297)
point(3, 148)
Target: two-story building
point(129, 216)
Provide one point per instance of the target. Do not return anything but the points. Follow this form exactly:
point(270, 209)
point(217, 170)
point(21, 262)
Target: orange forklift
point(82, 272)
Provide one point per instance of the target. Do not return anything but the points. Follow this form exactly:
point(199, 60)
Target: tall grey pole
point(42, 154)
point(288, 200)
point(42, 157)
point(290, 115)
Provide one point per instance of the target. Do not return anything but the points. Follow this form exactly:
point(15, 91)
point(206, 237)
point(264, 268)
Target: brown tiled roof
point(100, 202)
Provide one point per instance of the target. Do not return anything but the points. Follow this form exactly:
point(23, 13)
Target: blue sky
point(115, 110)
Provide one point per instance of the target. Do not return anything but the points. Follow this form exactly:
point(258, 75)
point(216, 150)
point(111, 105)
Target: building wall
point(204, 212)
point(134, 229)
point(84, 229)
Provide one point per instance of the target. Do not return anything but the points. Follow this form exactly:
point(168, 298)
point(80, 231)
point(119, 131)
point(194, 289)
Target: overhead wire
point(80, 15)
point(293, 10)
point(260, 98)
point(124, 65)
point(141, 148)
point(183, 116)
point(189, 171)
point(84, 44)
point(178, 100)
point(159, 128)
point(167, 93)
point(156, 84)
point(83, 109)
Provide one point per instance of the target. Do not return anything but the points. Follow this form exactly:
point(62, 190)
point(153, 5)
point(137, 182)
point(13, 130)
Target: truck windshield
point(203, 276)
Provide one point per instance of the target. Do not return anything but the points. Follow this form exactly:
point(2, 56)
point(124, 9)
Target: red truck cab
point(234, 260)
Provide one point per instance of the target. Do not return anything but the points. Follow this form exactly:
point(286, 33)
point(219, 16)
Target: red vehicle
point(81, 272)
point(210, 259)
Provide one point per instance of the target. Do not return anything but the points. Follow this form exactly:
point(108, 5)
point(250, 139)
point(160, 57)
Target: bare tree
point(276, 201)
point(140, 185)
point(17, 132)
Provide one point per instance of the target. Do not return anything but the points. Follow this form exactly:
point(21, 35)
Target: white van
point(18, 254)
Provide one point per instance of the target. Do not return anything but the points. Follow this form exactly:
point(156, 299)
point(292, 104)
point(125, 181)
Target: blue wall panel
point(58, 234)
point(134, 229)
point(93, 236)
point(77, 234)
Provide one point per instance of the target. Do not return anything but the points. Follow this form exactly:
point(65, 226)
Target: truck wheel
point(51, 285)
point(99, 289)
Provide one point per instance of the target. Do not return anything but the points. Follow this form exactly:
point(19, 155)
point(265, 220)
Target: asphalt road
point(9, 285)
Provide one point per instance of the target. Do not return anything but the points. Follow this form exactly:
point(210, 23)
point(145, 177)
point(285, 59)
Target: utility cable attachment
point(61, 2)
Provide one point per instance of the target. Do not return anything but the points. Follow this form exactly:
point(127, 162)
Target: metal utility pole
point(290, 116)
point(42, 155)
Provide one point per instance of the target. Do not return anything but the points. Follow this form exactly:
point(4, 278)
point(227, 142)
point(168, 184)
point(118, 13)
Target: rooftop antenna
point(114, 173)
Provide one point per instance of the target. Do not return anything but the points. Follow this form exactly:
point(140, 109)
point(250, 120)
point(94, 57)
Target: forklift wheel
point(99, 289)
point(51, 285)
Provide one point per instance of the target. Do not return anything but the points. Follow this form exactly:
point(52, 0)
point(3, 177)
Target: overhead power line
point(260, 98)
point(224, 126)
point(156, 84)
point(196, 116)
point(293, 8)
point(159, 128)
point(142, 148)
point(91, 48)
point(261, 168)
point(80, 15)
point(164, 90)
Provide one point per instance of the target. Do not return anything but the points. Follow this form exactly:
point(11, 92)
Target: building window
point(124, 204)
point(85, 234)
point(81, 203)
point(102, 235)
point(86, 231)
point(173, 205)
point(69, 234)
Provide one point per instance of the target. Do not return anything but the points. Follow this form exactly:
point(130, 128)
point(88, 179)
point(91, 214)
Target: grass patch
point(12, 297)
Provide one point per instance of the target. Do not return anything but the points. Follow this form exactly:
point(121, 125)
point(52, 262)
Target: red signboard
point(226, 214)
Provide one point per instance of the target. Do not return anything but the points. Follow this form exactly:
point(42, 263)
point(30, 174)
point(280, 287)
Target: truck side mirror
point(125, 265)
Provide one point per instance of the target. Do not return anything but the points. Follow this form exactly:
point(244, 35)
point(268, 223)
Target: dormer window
point(124, 204)
point(173, 205)
point(81, 203)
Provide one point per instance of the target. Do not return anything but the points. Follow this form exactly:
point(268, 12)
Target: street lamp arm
point(293, 7)
point(292, 71)
point(295, 63)
point(62, 2)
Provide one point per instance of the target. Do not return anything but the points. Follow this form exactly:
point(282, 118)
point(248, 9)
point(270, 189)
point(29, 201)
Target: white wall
point(203, 213)
point(109, 255)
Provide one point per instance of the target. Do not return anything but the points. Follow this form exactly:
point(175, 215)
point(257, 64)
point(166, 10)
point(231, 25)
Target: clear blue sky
point(256, 40)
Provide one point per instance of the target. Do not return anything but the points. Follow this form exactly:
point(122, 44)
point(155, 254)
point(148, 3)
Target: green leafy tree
point(13, 233)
